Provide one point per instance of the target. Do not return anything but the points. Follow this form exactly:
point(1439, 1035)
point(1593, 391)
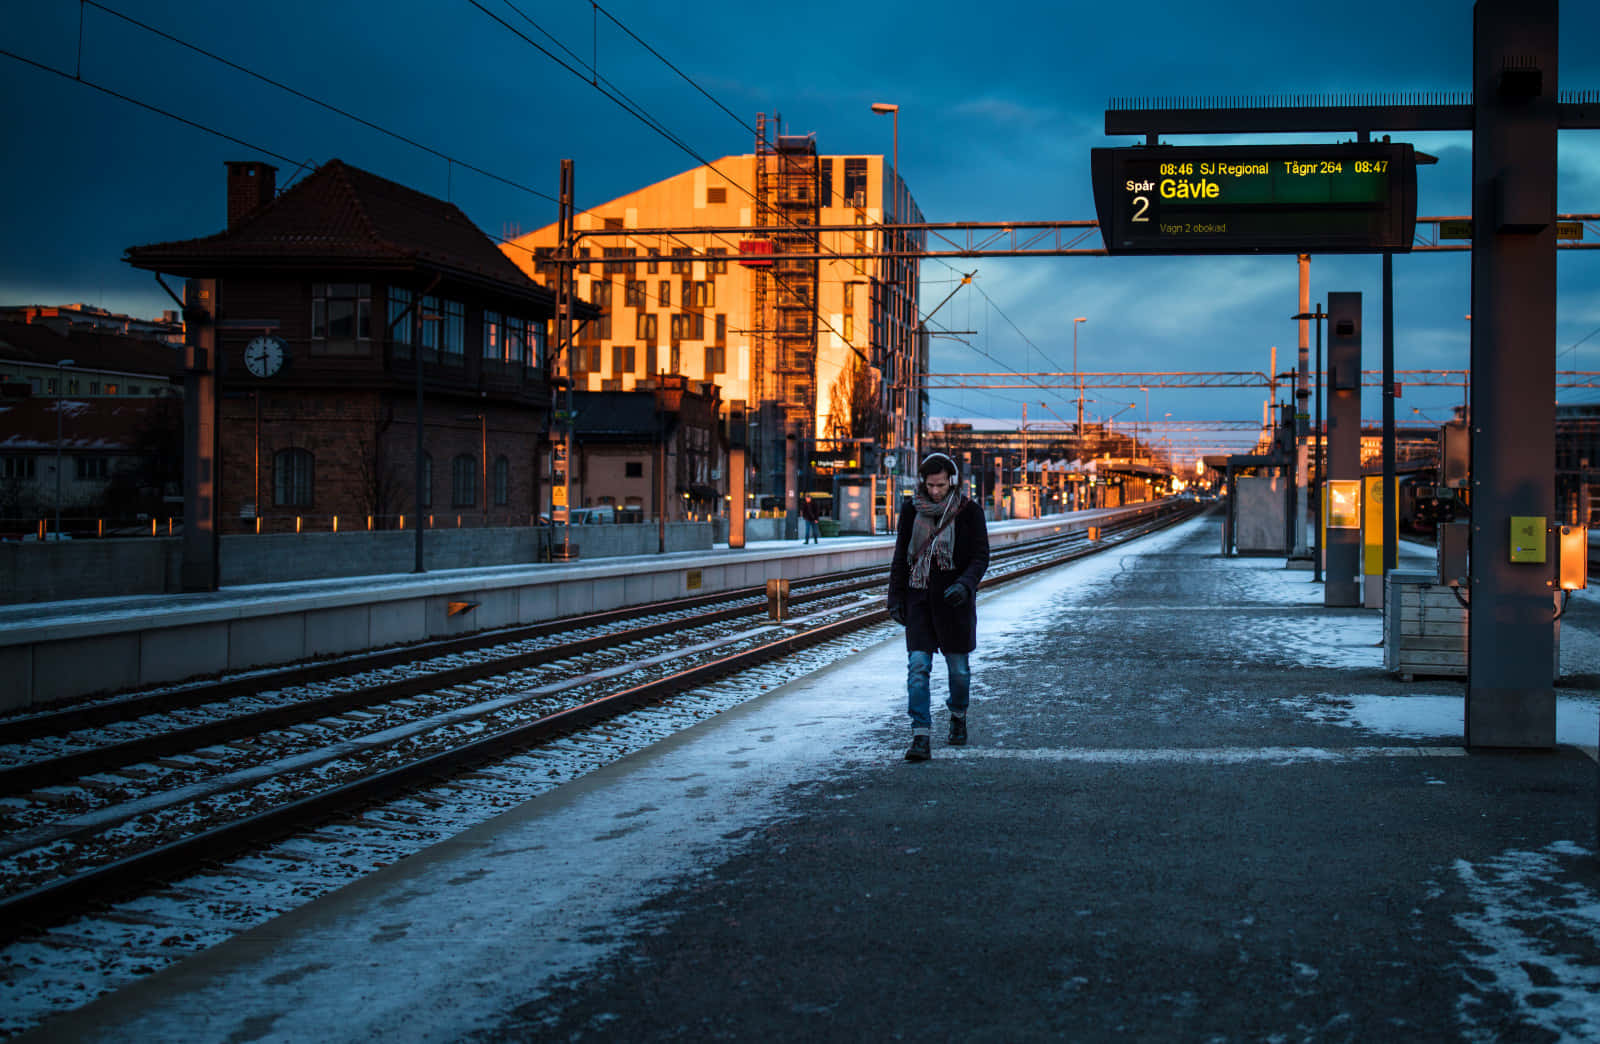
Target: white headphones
point(955, 472)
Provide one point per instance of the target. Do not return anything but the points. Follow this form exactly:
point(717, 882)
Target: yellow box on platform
point(1528, 538)
point(1372, 525)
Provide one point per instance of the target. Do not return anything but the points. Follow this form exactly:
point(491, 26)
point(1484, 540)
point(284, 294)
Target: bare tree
point(380, 482)
point(854, 409)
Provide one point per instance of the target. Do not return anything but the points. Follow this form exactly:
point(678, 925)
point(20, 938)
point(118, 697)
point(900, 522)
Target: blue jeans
point(919, 665)
point(812, 531)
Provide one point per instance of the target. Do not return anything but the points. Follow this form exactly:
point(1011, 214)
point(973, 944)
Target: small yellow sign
point(692, 580)
point(1455, 230)
point(1569, 229)
point(1527, 538)
point(558, 496)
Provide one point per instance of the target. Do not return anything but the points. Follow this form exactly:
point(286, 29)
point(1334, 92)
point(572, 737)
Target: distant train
point(1419, 508)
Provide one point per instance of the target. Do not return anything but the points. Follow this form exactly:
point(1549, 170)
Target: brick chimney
point(251, 185)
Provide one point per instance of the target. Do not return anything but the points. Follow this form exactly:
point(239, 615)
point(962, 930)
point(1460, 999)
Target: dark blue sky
point(998, 114)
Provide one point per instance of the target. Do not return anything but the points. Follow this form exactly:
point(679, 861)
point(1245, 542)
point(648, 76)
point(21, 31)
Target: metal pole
point(416, 359)
point(483, 448)
point(1390, 551)
point(60, 382)
point(1316, 481)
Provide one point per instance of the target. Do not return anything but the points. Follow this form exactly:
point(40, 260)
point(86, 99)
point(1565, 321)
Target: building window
point(516, 339)
point(94, 387)
point(50, 386)
point(425, 494)
point(463, 481)
point(850, 328)
point(645, 328)
point(677, 327)
point(600, 292)
point(341, 320)
point(535, 345)
point(664, 293)
point(855, 182)
point(111, 389)
point(582, 266)
point(502, 482)
point(849, 297)
point(493, 336)
point(91, 467)
point(716, 260)
point(622, 357)
point(617, 267)
point(400, 330)
point(722, 329)
point(826, 166)
point(633, 469)
point(16, 467)
point(705, 294)
point(292, 478)
point(651, 265)
point(447, 334)
point(717, 195)
point(633, 295)
point(72, 386)
point(652, 358)
point(716, 360)
point(682, 260)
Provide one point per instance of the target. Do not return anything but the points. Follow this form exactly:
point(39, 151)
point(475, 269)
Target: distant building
point(120, 424)
point(811, 350)
point(320, 420)
point(119, 457)
point(80, 317)
point(101, 363)
point(655, 451)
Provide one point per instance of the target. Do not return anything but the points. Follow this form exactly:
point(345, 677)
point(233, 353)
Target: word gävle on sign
point(1355, 198)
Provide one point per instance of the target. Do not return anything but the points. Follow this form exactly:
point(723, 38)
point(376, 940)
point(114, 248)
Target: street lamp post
point(1316, 458)
point(61, 382)
point(1076, 372)
point(893, 262)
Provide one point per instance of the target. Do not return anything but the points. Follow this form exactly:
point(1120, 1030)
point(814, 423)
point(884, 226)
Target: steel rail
point(18, 779)
point(36, 909)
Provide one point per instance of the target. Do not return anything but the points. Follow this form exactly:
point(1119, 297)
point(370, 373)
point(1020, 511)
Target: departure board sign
point(1270, 199)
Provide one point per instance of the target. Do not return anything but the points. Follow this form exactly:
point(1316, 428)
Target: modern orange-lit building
point(811, 351)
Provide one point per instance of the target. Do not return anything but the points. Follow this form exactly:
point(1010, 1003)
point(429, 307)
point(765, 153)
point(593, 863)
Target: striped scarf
point(933, 534)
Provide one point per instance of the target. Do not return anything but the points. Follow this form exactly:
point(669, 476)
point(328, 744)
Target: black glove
point(897, 613)
point(956, 595)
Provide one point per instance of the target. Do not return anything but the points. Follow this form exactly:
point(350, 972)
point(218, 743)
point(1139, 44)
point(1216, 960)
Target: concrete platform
point(52, 651)
point(1194, 807)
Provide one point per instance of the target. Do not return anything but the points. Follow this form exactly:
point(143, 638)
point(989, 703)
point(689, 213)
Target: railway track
point(93, 814)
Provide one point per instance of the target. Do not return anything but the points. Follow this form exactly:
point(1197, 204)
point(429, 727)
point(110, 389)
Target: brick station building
point(318, 349)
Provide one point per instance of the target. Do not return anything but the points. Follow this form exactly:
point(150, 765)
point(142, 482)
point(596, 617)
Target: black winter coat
point(932, 624)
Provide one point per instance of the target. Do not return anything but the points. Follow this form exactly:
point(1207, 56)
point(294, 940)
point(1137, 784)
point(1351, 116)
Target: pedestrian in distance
point(941, 550)
point(808, 515)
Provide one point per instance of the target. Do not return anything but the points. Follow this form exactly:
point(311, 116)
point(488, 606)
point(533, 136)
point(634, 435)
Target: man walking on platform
point(808, 516)
point(941, 550)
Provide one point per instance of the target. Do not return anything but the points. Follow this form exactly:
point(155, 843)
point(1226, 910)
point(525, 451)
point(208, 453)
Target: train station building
point(319, 346)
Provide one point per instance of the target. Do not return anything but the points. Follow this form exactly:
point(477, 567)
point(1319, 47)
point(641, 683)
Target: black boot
point(958, 732)
point(920, 750)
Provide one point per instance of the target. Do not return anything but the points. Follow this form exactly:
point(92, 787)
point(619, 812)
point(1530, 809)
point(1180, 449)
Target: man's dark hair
point(934, 463)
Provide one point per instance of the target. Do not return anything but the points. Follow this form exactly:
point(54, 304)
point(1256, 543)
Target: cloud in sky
point(998, 115)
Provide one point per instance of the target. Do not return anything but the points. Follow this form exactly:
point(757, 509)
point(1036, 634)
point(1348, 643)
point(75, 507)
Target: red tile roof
point(346, 217)
point(108, 425)
point(88, 349)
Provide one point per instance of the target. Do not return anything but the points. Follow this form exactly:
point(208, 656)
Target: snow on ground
point(1536, 933)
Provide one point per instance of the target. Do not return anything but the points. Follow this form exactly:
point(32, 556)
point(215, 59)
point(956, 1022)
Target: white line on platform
point(1220, 755)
